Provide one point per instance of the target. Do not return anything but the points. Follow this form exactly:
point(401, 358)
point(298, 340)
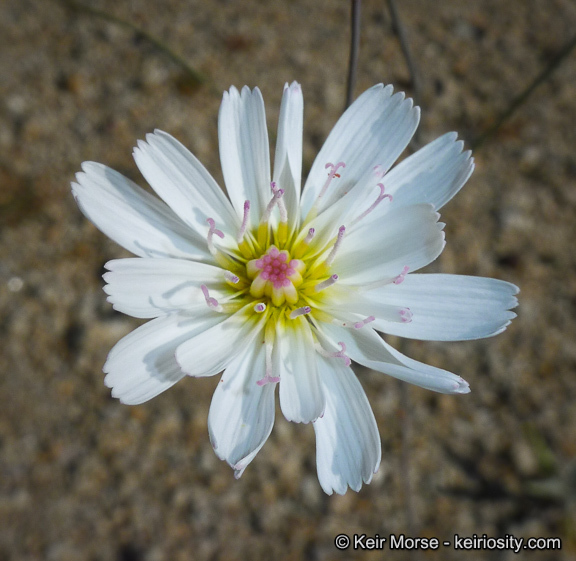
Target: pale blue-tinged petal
point(147, 288)
point(295, 362)
point(185, 185)
point(349, 304)
point(241, 414)
point(411, 237)
point(434, 174)
point(366, 347)
point(244, 150)
point(348, 449)
point(133, 218)
point(446, 307)
point(143, 364)
point(213, 350)
point(288, 158)
point(373, 131)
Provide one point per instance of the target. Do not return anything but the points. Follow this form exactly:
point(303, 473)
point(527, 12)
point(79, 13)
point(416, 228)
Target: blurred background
point(83, 477)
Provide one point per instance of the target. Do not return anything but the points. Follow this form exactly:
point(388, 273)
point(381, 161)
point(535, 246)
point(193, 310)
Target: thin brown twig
point(400, 31)
point(354, 49)
point(195, 76)
point(519, 100)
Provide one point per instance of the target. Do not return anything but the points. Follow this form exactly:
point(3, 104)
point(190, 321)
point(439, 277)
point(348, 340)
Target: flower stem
point(354, 48)
point(400, 30)
point(519, 100)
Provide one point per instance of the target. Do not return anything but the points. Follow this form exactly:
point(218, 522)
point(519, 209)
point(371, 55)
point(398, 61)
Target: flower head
point(278, 288)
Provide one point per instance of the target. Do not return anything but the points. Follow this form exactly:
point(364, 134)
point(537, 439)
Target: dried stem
point(400, 31)
point(519, 100)
point(195, 76)
point(354, 48)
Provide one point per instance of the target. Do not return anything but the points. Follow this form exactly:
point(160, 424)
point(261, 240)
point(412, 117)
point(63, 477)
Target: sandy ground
point(84, 477)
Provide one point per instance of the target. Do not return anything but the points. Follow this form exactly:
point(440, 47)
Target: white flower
point(279, 288)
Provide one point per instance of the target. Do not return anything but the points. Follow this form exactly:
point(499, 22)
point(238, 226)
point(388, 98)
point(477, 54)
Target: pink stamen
point(281, 205)
point(211, 302)
point(211, 233)
point(331, 175)
point(400, 278)
point(231, 277)
point(242, 230)
point(277, 195)
point(332, 255)
point(360, 324)
point(309, 236)
point(379, 171)
point(405, 315)
point(268, 380)
point(378, 200)
point(300, 312)
point(275, 268)
point(326, 283)
point(336, 354)
point(269, 347)
point(260, 307)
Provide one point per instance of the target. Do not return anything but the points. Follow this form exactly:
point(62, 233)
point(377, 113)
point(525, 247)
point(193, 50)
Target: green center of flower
point(279, 272)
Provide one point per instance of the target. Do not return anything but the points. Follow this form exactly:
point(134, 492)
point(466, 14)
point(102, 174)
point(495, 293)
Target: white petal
point(241, 414)
point(374, 130)
point(410, 237)
point(288, 160)
point(348, 449)
point(366, 347)
point(295, 361)
point(244, 150)
point(142, 364)
point(433, 175)
point(147, 288)
point(447, 307)
point(349, 304)
point(133, 218)
point(212, 350)
point(185, 185)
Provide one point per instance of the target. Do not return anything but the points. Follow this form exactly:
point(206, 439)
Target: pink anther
point(405, 315)
point(211, 302)
point(325, 284)
point(268, 380)
point(335, 354)
point(211, 233)
point(260, 307)
point(379, 171)
point(331, 175)
point(231, 277)
point(341, 354)
point(300, 312)
point(383, 195)
point(400, 278)
point(213, 229)
point(309, 236)
point(242, 230)
point(378, 200)
point(337, 244)
point(360, 324)
point(276, 200)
